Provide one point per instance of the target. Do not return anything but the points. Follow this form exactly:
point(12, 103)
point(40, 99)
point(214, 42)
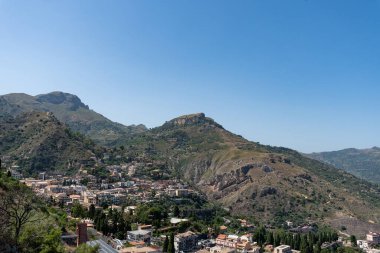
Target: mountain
point(37, 142)
point(272, 184)
point(363, 163)
point(69, 109)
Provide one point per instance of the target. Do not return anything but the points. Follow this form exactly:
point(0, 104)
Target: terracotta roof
point(137, 243)
point(222, 237)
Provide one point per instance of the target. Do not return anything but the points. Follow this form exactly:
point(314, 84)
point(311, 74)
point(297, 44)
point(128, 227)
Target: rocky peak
point(192, 120)
point(58, 97)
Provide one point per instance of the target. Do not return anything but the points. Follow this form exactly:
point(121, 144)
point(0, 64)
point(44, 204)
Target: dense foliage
point(26, 223)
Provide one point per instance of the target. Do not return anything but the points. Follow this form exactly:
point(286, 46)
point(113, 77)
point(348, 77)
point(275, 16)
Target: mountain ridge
point(364, 163)
point(69, 109)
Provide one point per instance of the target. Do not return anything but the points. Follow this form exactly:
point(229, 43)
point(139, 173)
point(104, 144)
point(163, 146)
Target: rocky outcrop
point(222, 181)
point(192, 119)
point(72, 101)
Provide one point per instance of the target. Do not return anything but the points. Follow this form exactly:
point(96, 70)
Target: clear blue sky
point(303, 74)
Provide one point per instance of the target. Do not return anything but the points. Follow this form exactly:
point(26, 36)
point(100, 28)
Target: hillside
point(39, 142)
point(363, 163)
point(272, 184)
point(69, 109)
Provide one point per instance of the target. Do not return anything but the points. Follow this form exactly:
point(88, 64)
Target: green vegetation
point(171, 248)
point(26, 223)
point(166, 244)
point(306, 243)
point(39, 142)
point(84, 248)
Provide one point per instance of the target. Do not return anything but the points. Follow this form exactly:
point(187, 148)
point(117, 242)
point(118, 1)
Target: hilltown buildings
point(373, 238)
point(185, 242)
point(139, 235)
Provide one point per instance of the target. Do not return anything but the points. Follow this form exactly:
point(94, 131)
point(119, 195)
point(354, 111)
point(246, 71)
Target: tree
point(19, 206)
point(259, 235)
point(78, 211)
point(304, 247)
point(171, 248)
point(84, 248)
point(91, 211)
point(52, 242)
point(353, 241)
point(269, 238)
point(317, 248)
point(277, 240)
point(166, 244)
point(43, 236)
point(176, 211)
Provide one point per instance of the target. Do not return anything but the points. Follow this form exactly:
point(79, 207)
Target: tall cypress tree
point(91, 211)
point(166, 244)
point(277, 240)
point(269, 238)
point(317, 248)
point(304, 247)
point(353, 241)
point(171, 248)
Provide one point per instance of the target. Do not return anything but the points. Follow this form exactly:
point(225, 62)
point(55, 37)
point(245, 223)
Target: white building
point(283, 249)
point(373, 238)
point(139, 235)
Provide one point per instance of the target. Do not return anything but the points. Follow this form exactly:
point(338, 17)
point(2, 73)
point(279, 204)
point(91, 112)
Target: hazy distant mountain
point(69, 109)
point(271, 183)
point(364, 163)
point(38, 142)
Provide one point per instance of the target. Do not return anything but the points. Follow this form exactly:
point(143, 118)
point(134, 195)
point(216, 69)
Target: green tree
point(52, 242)
point(317, 248)
point(91, 211)
point(78, 211)
point(277, 240)
point(19, 206)
point(171, 248)
point(84, 248)
point(259, 235)
point(353, 241)
point(304, 246)
point(176, 211)
point(166, 245)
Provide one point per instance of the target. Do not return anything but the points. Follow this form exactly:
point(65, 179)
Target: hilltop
point(38, 142)
point(363, 163)
point(270, 183)
point(71, 110)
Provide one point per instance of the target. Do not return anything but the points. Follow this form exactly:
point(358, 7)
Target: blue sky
point(302, 74)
